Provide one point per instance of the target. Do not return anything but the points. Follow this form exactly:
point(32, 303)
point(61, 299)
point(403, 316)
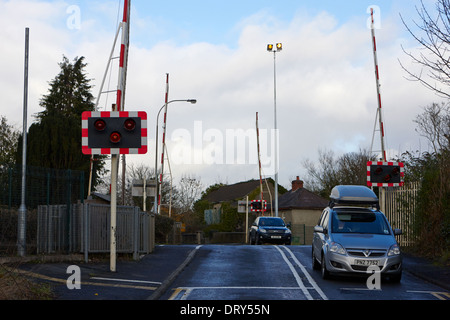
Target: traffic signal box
point(258, 206)
point(114, 132)
point(385, 174)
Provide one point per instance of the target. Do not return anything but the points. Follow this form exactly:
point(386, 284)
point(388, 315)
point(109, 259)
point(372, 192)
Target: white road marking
point(187, 290)
point(182, 293)
point(126, 280)
point(308, 276)
point(296, 275)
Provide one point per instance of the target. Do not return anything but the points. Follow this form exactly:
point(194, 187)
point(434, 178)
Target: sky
point(215, 52)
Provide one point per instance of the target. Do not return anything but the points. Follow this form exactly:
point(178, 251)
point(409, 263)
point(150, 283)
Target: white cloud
point(326, 96)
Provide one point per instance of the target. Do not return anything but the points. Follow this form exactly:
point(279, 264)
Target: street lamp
point(278, 48)
point(192, 101)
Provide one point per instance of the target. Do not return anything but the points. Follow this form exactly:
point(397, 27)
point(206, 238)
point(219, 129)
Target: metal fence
point(44, 186)
point(86, 228)
point(398, 204)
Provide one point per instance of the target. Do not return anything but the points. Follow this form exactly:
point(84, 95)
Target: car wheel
point(323, 265)
point(315, 263)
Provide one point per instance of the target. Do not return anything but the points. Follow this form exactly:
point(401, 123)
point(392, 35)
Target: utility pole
point(163, 145)
point(259, 158)
point(22, 220)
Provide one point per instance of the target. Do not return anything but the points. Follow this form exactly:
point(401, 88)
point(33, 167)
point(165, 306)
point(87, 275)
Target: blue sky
point(219, 22)
point(215, 52)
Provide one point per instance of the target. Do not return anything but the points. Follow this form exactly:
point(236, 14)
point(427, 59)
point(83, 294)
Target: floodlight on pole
point(278, 48)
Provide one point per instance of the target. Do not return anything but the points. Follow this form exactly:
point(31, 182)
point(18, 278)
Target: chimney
point(297, 184)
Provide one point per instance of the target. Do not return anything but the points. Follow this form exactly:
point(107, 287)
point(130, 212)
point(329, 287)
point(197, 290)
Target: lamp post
point(270, 48)
point(193, 101)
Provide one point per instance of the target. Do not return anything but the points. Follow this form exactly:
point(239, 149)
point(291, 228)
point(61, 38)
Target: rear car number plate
point(367, 262)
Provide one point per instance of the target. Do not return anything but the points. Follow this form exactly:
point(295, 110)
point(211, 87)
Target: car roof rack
point(353, 195)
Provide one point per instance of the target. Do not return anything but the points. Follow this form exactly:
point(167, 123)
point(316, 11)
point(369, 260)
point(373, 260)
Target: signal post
point(114, 133)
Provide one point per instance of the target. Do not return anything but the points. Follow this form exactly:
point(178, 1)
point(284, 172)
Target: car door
point(319, 237)
point(253, 230)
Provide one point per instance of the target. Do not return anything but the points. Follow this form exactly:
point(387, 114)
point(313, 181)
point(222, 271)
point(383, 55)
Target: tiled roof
point(301, 199)
point(233, 192)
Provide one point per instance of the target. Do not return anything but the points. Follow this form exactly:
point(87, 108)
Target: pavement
point(427, 270)
point(150, 276)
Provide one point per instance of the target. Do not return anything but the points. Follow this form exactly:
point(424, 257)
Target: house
point(232, 194)
point(99, 198)
point(302, 209)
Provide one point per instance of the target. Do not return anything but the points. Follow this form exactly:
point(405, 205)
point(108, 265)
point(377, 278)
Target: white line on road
point(296, 275)
point(308, 276)
point(186, 291)
point(125, 280)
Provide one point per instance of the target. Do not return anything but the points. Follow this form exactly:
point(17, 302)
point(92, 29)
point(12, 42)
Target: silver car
point(349, 239)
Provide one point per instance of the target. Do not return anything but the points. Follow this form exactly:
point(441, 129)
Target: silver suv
point(353, 234)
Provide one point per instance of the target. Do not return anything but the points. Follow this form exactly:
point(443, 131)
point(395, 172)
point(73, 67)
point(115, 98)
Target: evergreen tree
point(54, 140)
point(8, 142)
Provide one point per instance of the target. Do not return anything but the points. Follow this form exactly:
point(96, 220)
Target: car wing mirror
point(320, 229)
point(397, 232)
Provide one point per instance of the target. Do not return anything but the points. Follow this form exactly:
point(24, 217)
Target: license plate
point(276, 237)
point(367, 262)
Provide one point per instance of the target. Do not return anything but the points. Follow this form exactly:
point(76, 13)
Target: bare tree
point(350, 168)
point(434, 125)
point(187, 192)
point(434, 37)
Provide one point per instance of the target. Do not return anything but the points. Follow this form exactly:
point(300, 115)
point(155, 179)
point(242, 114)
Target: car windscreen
point(359, 222)
point(271, 222)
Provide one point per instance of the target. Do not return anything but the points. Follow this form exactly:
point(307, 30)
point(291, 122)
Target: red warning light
point(129, 124)
point(115, 137)
point(100, 125)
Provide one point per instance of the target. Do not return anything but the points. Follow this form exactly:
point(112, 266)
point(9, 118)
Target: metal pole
point(144, 194)
point(171, 184)
point(155, 206)
point(22, 219)
point(114, 169)
point(163, 144)
point(118, 107)
point(259, 160)
point(276, 130)
point(246, 219)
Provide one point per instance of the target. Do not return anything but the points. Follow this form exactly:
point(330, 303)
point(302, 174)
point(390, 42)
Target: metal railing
point(86, 228)
point(399, 206)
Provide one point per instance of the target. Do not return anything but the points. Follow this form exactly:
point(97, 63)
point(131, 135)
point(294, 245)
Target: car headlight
point(337, 248)
point(262, 230)
point(394, 250)
point(287, 231)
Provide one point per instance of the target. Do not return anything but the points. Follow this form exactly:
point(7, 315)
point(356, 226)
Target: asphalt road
point(222, 272)
point(269, 272)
